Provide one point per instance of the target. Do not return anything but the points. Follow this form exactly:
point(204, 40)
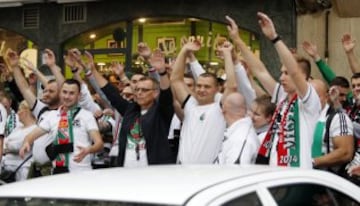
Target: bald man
point(331, 151)
point(240, 143)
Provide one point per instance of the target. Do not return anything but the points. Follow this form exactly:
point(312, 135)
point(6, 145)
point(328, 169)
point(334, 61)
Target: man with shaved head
point(240, 143)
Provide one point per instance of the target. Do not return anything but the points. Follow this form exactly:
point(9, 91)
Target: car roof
point(155, 184)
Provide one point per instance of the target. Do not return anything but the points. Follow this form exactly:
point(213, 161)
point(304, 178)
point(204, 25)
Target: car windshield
point(66, 202)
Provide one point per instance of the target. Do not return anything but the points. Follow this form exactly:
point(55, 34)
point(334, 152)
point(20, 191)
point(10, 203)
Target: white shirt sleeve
point(86, 101)
point(196, 69)
point(90, 122)
point(244, 85)
point(341, 125)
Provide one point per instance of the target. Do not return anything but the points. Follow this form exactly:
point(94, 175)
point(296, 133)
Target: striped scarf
point(65, 137)
point(10, 123)
point(286, 126)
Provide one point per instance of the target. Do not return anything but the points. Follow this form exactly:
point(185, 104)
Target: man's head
point(127, 93)
point(261, 111)
point(50, 94)
point(189, 81)
point(70, 93)
point(206, 88)
point(146, 92)
point(305, 68)
point(134, 79)
point(234, 107)
point(24, 111)
point(5, 100)
point(343, 86)
point(322, 91)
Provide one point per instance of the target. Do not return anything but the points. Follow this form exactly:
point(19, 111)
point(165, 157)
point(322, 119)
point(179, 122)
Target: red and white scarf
point(286, 126)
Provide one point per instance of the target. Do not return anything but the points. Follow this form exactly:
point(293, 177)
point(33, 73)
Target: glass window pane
point(311, 195)
point(250, 199)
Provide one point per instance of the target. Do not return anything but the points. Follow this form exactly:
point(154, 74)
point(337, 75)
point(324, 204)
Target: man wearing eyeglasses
point(145, 126)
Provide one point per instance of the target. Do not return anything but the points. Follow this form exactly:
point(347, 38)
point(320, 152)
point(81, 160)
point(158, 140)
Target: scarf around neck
point(10, 123)
point(65, 137)
point(286, 126)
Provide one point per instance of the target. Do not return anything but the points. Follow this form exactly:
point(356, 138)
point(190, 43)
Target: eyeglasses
point(143, 89)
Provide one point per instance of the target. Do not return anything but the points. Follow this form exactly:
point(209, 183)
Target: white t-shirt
point(3, 117)
point(202, 132)
point(309, 112)
point(240, 144)
point(136, 157)
point(13, 143)
point(83, 123)
point(39, 153)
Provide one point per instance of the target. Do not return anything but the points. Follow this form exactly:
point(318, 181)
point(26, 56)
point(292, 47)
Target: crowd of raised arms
point(176, 113)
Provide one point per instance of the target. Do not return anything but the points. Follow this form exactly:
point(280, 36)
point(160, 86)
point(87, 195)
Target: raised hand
point(225, 47)
point(311, 50)
point(49, 58)
point(233, 28)
point(144, 50)
point(157, 60)
point(11, 58)
point(267, 26)
point(348, 43)
point(90, 60)
point(28, 64)
point(118, 69)
point(192, 46)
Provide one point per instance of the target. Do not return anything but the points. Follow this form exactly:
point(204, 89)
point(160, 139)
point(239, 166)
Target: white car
point(185, 185)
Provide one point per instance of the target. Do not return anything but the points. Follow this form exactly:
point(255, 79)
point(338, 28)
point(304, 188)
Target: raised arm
point(349, 45)
point(157, 61)
point(41, 77)
point(255, 65)
point(177, 75)
point(284, 53)
point(50, 61)
point(311, 49)
point(226, 52)
point(13, 61)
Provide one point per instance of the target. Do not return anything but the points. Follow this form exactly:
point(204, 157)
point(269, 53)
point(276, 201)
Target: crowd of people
point(177, 113)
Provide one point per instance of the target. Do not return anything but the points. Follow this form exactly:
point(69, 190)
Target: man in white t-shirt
point(240, 144)
point(74, 130)
point(203, 125)
point(289, 137)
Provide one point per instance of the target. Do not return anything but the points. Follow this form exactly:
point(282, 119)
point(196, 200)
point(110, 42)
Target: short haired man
point(145, 125)
point(203, 125)
point(74, 130)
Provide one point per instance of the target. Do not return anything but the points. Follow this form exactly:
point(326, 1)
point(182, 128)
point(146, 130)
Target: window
point(250, 199)
point(310, 195)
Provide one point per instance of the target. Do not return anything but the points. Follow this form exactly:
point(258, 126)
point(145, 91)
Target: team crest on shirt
point(76, 123)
